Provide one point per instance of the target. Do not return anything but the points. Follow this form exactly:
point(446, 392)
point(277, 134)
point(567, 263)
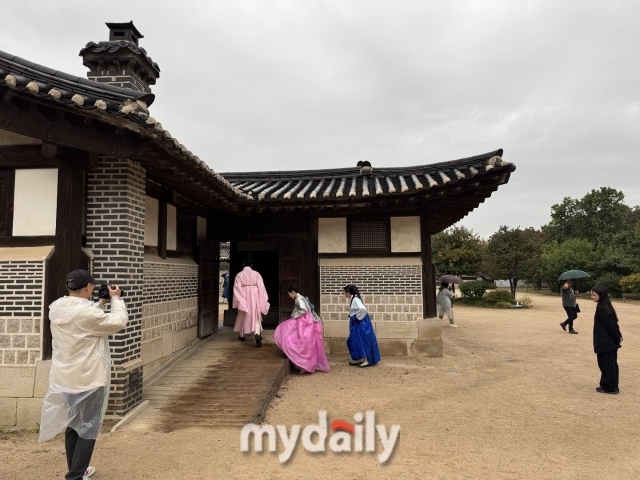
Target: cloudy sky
point(277, 85)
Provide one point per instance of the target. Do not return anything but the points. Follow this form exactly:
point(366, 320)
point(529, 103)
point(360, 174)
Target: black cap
point(79, 279)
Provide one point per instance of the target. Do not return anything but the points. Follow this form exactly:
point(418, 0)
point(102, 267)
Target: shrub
point(503, 305)
point(526, 301)
point(475, 289)
point(498, 296)
point(631, 283)
point(611, 282)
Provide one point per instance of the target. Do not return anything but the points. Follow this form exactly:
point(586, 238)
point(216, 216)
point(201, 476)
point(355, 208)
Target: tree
point(514, 254)
point(574, 254)
point(596, 217)
point(457, 251)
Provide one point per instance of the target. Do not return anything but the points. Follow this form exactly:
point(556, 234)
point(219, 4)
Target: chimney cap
point(124, 31)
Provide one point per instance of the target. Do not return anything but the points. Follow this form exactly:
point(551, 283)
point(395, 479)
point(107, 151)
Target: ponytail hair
point(353, 291)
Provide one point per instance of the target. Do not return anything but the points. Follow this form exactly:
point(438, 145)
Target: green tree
point(574, 254)
point(596, 217)
point(457, 251)
point(514, 254)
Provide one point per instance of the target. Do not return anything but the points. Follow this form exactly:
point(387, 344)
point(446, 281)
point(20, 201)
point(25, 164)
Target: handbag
point(314, 314)
point(577, 308)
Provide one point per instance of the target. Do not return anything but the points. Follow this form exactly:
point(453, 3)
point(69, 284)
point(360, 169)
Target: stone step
point(222, 383)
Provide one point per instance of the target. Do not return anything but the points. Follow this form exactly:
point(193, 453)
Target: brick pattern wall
point(382, 308)
point(21, 298)
point(164, 317)
point(165, 281)
point(372, 279)
point(115, 234)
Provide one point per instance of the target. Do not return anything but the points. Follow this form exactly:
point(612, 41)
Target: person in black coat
point(606, 340)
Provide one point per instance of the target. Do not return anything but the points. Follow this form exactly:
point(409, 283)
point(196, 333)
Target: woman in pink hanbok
point(300, 337)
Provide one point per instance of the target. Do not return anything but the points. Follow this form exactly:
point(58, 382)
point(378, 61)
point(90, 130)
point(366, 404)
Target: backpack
point(314, 314)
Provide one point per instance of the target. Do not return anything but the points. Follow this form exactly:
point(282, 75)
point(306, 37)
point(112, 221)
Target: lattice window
point(369, 235)
point(187, 228)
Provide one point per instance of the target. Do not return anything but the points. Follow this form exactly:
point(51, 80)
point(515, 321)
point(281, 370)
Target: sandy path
point(513, 398)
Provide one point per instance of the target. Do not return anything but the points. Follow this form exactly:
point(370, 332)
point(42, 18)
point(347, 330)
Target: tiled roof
point(114, 46)
point(364, 182)
point(468, 180)
point(113, 102)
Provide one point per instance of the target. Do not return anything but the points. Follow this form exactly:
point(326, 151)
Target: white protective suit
point(81, 365)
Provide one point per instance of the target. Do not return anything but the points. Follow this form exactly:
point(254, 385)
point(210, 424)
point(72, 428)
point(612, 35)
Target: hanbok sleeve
point(360, 309)
point(239, 299)
point(263, 298)
point(300, 307)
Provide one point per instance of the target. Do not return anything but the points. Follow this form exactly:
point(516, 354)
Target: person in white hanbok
point(362, 342)
point(443, 302)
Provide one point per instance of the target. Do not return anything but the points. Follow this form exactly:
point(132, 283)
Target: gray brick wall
point(115, 235)
point(165, 282)
point(372, 279)
point(21, 297)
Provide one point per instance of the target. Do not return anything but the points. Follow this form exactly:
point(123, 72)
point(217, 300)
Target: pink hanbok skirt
point(301, 340)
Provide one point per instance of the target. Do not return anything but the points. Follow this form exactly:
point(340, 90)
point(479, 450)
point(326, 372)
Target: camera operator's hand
point(114, 291)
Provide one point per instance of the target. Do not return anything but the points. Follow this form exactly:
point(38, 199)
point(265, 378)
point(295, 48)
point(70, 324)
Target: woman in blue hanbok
point(362, 342)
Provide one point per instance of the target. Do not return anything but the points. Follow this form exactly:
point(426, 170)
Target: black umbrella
point(450, 279)
point(572, 275)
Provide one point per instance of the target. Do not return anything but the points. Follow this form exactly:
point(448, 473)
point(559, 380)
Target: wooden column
point(68, 255)
point(162, 229)
point(428, 272)
point(313, 270)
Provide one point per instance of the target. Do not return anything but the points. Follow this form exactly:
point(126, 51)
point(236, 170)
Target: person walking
point(300, 337)
point(606, 340)
point(443, 302)
point(251, 299)
point(362, 342)
point(225, 287)
point(80, 369)
point(569, 305)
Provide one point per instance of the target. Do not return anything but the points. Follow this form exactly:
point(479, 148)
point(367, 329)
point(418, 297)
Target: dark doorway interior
point(266, 258)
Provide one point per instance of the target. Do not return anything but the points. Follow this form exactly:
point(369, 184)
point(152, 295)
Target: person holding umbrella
point(443, 299)
point(569, 297)
point(569, 305)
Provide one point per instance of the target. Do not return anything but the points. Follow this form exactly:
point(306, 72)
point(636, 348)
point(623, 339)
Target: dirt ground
point(513, 398)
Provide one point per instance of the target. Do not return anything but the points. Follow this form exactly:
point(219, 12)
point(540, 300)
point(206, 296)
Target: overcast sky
point(277, 85)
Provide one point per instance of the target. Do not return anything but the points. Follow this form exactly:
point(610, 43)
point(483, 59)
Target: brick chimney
point(121, 61)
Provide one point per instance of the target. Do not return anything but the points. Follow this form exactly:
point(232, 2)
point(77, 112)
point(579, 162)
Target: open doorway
point(266, 258)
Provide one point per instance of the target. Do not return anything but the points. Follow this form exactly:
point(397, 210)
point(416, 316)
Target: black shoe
point(241, 339)
point(564, 326)
point(572, 331)
point(258, 341)
point(611, 392)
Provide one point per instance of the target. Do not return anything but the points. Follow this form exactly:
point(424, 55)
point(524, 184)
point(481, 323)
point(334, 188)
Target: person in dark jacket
point(606, 340)
point(569, 305)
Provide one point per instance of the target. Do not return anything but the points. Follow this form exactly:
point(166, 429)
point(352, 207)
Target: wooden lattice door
point(290, 274)
point(209, 287)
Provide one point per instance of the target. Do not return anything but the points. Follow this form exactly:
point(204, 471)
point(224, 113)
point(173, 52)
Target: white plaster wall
point(202, 228)
point(151, 212)
point(332, 235)
point(35, 200)
point(10, 138)
point(405, 234)
point(172, 228)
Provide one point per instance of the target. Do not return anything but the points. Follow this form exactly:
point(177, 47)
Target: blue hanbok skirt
point(362, 340)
